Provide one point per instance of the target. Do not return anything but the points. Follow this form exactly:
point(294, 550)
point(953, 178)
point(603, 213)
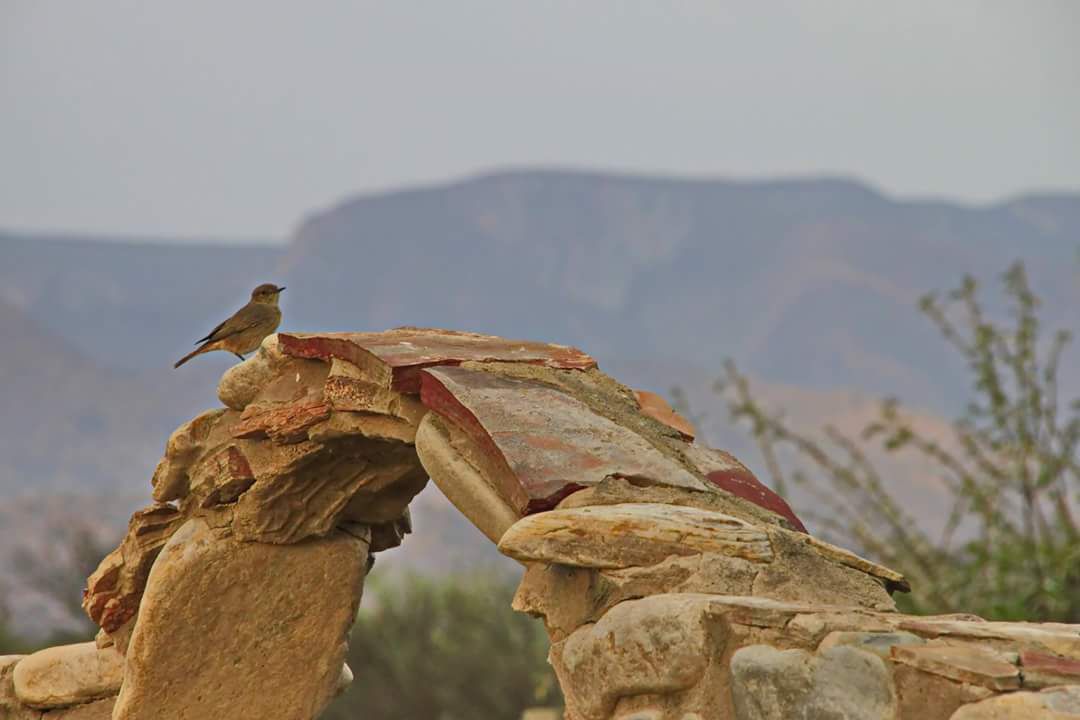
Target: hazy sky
point(236, 118)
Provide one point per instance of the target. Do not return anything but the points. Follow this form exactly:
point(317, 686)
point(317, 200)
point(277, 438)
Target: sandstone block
point(879, 643)
point(661, 645)
point(185, 445)
point(1059, 703)
point(114, 589)
point(304, 489)
point(927, 696)
point(801, 574)
point(963, 663)
point(395, 358)
point(97, 710)
point(725, 472)
point(344, 680)
point(841, 682)
point(618, 490)
point(619, 536)
point(241, 629)
point(658, 409)
point(67, 675)
point(242, 382)
point(1063, 640)
point(549, 441)
point(10, 707)
point(439, 446)
point(1044, 670)
point(568, 597)
point(343, 424)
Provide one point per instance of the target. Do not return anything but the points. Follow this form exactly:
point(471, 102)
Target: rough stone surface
point(963, 663)
point(927, 696)
point(725, 472)
point(1059, 703)
point(890, 578)
point(344, 680)
point(551, 442)
point(617, 490)
point(657, 408)
point(170, 479)
point(634, 534)
point(801, 574)
point(395, 357)
point(444, 453)
point(879, 643)
point(1044, 670)
point(9, 704)
point(305, 489)
point(567, 597)
point(242, 382)
point(1063, 640)
point(67, 674)
point(655, 645)
point(114, 589)
point(200, 624)
point(97, 710)
point(841, 682)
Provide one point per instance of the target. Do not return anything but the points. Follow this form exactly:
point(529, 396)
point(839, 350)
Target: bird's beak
point(280, 289)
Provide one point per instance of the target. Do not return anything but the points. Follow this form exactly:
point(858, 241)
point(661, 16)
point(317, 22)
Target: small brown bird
point(245, 330)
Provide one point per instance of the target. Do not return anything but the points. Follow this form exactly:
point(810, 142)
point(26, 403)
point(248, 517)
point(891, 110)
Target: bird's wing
point(210, 335)
point(244, 319)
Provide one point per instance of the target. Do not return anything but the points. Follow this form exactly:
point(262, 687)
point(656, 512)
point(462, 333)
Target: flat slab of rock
point(97, 710)
point(9, 704)
point(631, 534)
point(841, 682)
point(659, 645)
point(727, 473)
point(1044, 670)
point(1060, 703)
point(67, 675)
point(1056, 638)
point(395, 357)
point(549, 442)
point(239, 630)
point(113, 590)
point(444, 452)
point(658, 409)
point(963, 663)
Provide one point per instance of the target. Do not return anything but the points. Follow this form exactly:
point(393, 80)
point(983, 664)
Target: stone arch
point(671, 582)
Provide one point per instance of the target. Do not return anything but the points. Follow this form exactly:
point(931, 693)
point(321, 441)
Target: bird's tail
point(193, 353)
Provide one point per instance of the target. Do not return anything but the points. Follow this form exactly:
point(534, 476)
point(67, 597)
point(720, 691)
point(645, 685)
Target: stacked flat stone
point(672, 583)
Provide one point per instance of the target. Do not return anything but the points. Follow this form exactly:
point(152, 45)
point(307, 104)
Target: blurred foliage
point(1009, 549)
point(445, 649)
point(56, 572)
point(10, 642)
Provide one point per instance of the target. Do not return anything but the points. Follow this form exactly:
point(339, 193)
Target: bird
point(245, 330)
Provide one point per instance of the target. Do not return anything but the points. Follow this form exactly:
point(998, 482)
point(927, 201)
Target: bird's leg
point(238, 355)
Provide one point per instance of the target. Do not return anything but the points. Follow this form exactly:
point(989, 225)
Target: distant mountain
point(67, 424)
point(810, 282)
point(807, 283)
point(126, 303)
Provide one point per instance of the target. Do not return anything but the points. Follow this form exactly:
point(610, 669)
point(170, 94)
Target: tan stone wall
point(672, 583)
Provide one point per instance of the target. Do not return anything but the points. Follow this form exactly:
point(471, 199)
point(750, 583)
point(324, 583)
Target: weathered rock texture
point(673, 584)
point(270, 644)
